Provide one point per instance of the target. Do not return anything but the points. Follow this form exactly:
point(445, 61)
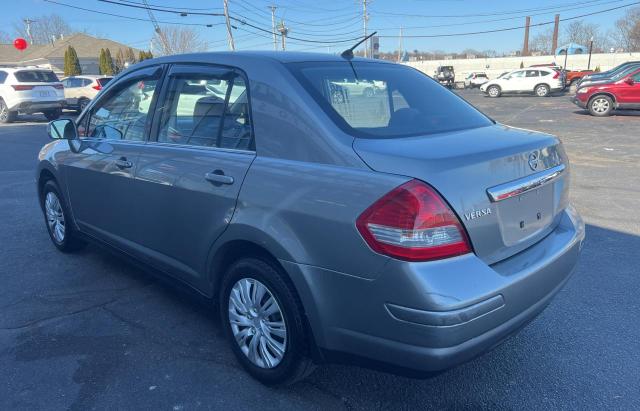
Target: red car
point(601, 99)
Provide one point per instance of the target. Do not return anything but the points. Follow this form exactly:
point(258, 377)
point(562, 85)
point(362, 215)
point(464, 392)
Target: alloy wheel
point(493, 91)
point(600, 105)
point(542, 91)
point(55, 216)
point(257, 323)
point(4, 112)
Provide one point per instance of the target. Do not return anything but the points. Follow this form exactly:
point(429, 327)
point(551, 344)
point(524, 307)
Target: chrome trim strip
point(522, 185)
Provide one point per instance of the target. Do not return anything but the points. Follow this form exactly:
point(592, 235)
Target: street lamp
point(590, 50)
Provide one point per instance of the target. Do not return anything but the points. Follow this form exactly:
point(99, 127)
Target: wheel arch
point(44, 175)
point(542, 84)
point(602, 93)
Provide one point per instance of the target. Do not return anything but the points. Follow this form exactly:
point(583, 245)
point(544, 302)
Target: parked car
point(445, 75)
point(609, 73)
point(80, 90)
point(323, 228)
point(29, 90)
point(540, 82)
point(617, 75)
point(574, 76)
point(602, 99)
point(475, 79)
point(358, 87)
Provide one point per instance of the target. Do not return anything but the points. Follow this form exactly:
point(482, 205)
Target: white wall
point(496, 66)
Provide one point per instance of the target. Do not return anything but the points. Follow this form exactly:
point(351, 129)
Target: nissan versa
point(401, 228)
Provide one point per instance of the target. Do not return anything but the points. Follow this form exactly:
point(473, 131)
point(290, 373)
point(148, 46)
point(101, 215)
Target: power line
point(521, 11)
point(235, 19)
point(514, 28)
point(499, 19)
point(129, 17)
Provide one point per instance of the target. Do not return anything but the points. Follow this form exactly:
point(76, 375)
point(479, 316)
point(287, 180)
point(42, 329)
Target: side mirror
point(629, 81)
point(62, 129)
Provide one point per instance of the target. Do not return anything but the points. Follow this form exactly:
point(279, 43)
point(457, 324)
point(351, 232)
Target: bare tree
point(44, 28)
point(580, 32)
point(179, 40)
point(4, 37)
point(627, 33)
point(542, 42)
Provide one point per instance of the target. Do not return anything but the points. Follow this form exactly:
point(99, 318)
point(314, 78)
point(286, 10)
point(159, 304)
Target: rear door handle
point(217, 177)
point(122, 162)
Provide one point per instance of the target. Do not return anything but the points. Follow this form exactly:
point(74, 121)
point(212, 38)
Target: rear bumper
point(432, 316)
point(30, 106)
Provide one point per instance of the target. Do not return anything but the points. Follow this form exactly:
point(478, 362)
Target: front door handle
point(217, 177)
point(122, 162)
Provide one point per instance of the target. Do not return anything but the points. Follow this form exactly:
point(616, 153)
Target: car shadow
point(615, 113)
point(549, 353)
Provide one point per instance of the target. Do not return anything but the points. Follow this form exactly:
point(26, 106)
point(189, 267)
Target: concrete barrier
point(496, 66)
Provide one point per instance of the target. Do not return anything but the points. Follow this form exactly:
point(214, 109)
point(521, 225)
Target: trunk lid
point(507, 185)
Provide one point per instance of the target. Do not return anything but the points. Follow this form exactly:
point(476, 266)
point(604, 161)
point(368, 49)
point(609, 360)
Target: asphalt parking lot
point(91, 331)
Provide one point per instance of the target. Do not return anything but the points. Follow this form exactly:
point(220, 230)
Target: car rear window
point(103, 81)
point(36, 76)
point(378, 100)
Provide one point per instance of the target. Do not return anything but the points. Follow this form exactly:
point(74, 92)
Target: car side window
point(517, 74)
point(123, 114)
point(532, 73)
point(3, 76)
point(207, 110)
point(86, 82)
point(636, 78)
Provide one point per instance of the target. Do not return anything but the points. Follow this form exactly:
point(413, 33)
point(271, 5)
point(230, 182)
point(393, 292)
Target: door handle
point(217, 177)
point(122, 162)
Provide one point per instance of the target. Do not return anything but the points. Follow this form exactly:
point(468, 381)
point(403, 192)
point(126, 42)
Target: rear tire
point(600, 106)
point(542, 90)
point(280, 355)
point(494, 91)
point(58, 219)
point(82, 104)
point(6, 116)
point(52, 114)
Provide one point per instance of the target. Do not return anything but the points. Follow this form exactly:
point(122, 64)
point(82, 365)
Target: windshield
point(385, 100)
point(624, 72)
point(36, 76)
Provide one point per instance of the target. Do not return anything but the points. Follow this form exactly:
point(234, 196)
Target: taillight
point(22, 87)
point(58, 86)
point(413, 223)
point(97, 87)
point(555, 76)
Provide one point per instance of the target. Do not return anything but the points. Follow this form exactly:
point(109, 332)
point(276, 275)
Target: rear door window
point(207, 110)
point(533, 73)
point(36, 76)
point(3, 76)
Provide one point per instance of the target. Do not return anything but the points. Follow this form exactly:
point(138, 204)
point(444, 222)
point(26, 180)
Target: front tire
point(542, 90)
point(600, 106)
point(264, 322)
point(58, 221)
point(53, 114)
point(494, 91)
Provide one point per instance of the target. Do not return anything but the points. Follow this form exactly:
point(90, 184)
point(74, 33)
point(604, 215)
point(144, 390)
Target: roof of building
point(86, 46)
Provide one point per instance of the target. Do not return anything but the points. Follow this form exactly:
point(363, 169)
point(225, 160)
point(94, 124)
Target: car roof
point(223, 57)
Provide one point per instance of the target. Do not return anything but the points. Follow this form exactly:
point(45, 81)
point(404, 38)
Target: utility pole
point(27, 23)
point(554, 41)
point(273, 27)
point(165, 43)
point(232, 45)
point(365, 18)
point(525, 46)
point(400, 46)
point(284, 31)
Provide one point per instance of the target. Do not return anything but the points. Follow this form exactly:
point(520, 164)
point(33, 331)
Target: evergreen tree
point(120, 61)
point(101, 62)
point(144, 55)
point(71, 62)
point(130, 56)
point(108, 63)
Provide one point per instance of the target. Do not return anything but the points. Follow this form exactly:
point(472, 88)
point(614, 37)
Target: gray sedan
point(402, 229)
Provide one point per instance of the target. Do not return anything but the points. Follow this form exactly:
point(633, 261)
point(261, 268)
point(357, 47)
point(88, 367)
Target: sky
point(327, 25)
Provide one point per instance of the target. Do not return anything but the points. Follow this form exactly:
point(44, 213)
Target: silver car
point(404, 229)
